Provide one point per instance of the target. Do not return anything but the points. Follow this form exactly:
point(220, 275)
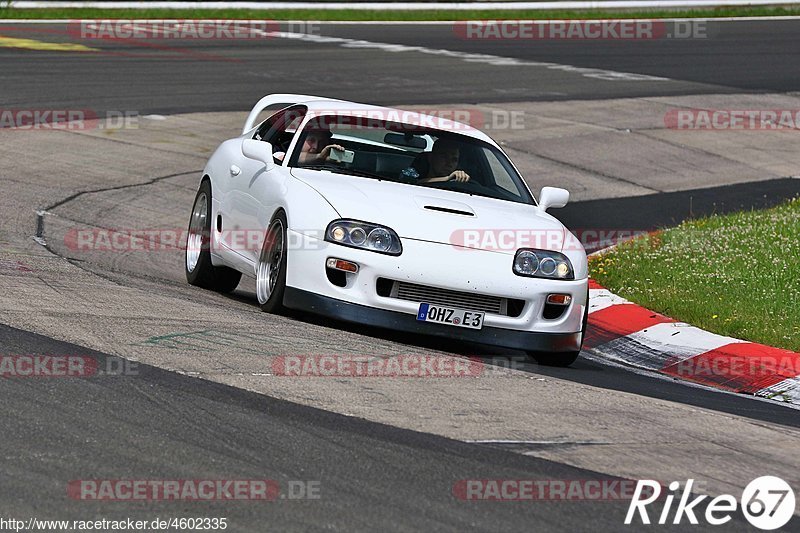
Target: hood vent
point(449, 210)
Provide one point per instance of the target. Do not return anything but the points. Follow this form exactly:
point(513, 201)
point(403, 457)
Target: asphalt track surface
point(159, 424)
point(224, 75)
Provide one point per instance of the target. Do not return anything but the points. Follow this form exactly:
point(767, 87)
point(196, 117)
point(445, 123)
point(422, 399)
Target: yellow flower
point(714, 316)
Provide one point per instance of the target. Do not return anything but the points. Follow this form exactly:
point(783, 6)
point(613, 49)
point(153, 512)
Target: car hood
point(439, 216)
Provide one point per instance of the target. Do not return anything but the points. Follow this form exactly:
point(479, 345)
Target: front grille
point(462, 300)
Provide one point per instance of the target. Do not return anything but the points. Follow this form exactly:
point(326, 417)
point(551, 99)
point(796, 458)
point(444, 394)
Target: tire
point(563, 359)
point(199, 270)
point(271, 267)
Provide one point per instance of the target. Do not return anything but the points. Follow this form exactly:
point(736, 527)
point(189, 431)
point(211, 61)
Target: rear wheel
point(271, 269)
point(564, 358)
point(199, 270)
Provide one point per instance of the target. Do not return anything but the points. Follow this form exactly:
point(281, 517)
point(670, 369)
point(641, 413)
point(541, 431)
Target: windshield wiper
point(319, 167)
point(366, 174)
point(350, 171)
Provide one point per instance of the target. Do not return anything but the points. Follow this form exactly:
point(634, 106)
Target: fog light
point(559, 299)
point(341, 264)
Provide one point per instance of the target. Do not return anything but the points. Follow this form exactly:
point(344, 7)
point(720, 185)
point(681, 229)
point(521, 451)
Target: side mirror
point(259, 151)
point(553, 197)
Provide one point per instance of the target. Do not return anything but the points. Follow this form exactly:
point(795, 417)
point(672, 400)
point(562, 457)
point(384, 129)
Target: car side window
point(265, 126)
point(279, 129)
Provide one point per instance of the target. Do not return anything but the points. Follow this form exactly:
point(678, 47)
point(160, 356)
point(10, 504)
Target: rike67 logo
point(767, 502)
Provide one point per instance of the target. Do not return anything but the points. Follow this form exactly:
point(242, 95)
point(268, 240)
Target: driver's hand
point(458, 175)
point(325, 154)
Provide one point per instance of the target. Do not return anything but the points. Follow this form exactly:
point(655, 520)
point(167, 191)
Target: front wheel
point(271, 269)
point(198, 268)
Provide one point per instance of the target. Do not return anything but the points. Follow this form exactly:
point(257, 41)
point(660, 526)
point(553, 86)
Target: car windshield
point(409, 154)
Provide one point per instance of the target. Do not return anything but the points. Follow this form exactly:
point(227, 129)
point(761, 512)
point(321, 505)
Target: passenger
point(440, 164)
point(317, 147)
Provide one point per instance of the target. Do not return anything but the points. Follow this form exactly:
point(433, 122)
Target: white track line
point(489, 59)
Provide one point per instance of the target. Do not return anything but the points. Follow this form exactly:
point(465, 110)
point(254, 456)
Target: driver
point(317, 147)
point(440, 164)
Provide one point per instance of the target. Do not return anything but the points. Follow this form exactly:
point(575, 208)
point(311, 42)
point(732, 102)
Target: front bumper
point(351, 312)
point(438, 266)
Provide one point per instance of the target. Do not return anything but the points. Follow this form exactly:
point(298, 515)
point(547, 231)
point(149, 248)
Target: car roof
point(325, 106)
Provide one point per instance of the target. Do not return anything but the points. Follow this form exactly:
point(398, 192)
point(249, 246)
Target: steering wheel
point(465, 186)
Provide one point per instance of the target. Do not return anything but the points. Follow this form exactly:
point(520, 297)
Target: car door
point(253, 186)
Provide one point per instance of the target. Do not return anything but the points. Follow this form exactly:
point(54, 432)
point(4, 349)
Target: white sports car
point(389, 218)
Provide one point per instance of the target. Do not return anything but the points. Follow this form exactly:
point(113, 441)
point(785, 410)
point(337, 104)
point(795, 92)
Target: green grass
point(353, 14)
point(736, 275)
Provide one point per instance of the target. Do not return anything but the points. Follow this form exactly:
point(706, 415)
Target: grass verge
point(385, 15)
point(736, 275)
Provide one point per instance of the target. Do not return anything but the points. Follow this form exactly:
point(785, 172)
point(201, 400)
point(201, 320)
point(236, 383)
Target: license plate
point(450, 316)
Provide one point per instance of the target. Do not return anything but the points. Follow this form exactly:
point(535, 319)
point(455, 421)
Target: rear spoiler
point(274, 99)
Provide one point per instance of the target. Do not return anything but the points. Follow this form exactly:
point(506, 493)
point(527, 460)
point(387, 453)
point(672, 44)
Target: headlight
point(364, 235)
point(542, 264)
